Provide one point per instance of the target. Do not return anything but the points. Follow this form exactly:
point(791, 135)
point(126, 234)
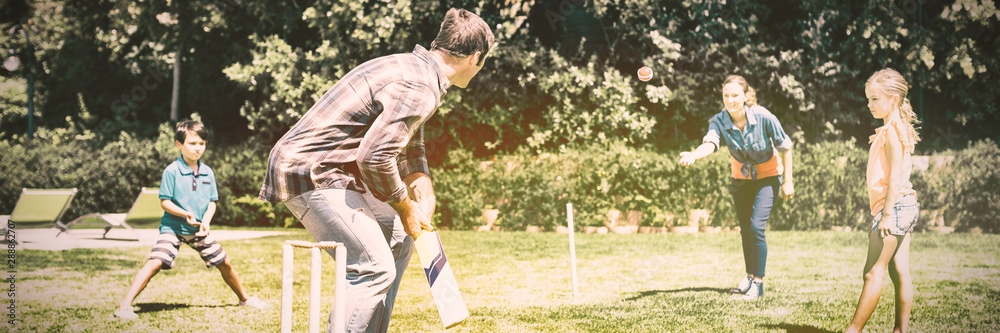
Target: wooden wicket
point(340, 305)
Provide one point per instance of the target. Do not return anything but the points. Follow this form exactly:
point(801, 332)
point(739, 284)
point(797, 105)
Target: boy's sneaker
point(255, 303)
point(127, 313)
point(756, 291)
point(742, 286)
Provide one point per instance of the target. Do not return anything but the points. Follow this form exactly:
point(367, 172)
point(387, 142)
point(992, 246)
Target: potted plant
point(695, 218)
point(490, 216)
point(713, 225)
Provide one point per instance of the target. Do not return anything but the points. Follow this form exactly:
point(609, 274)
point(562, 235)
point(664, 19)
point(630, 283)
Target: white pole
point(572, 249)
point(314, 289)
point(340, 300)
point(286, 288)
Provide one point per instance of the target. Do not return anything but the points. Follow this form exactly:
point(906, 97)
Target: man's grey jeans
point(378, 250)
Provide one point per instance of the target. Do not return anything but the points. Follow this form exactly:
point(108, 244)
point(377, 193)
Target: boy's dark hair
point(186, 126)
point(462, 34)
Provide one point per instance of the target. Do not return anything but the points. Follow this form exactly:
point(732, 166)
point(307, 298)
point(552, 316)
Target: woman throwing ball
point(754, 137)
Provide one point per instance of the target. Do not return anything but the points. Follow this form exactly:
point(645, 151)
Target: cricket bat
point(444, 288)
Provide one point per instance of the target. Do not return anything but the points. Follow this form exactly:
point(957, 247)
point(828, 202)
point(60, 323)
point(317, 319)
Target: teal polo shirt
point(190, 190)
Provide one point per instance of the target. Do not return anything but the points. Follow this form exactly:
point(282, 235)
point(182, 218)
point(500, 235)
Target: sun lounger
point(145, 211)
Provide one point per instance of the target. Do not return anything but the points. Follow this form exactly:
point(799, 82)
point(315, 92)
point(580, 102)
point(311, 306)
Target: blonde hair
point(747, 90)
point(889, 82)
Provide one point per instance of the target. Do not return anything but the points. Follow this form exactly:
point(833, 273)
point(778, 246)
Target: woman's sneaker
point(756, 291)
point(742, 286)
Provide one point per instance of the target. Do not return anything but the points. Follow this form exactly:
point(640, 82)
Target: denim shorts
point(904, 216)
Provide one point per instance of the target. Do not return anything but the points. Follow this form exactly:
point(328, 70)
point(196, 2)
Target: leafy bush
point(830, 190)
point(108, 177)
point(240, 171)
point(460, 195)
point(934, 187)
point(527, 188)
point(976, 183)
point(531, 189)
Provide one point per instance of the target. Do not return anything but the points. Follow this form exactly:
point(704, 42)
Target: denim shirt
point(755, 144)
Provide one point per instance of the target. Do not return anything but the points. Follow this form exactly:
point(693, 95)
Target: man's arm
point(409, 215)
point(406, 106)
point(421, 190)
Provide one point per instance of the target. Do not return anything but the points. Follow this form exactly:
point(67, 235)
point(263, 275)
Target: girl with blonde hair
point(754, 138)
point(893, 201)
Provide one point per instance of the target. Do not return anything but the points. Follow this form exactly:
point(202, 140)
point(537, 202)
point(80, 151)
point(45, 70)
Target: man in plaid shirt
point(345, 168)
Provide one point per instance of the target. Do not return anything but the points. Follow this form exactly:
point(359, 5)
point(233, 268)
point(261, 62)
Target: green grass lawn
point(517, 281)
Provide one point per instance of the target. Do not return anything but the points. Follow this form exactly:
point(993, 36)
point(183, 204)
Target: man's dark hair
point(190, 126)
point(462, 34)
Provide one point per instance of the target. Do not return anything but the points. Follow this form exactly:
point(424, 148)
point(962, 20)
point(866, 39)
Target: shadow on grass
point(156, 307)
point(644, 294)
point(791, 328)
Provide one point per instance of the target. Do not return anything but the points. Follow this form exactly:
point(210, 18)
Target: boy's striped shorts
point(169, 243)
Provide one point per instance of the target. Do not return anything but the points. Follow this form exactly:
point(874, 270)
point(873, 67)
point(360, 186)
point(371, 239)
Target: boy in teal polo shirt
point(188, 194)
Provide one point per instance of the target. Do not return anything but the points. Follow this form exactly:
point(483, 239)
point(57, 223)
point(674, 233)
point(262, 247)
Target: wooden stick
point(314, 289)
point(572, 249)
point(340, 298)
point(286, 288)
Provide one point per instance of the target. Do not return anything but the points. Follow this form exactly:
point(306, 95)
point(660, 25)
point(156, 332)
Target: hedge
point(528, 188)
point(109, 178)
point(532, 189)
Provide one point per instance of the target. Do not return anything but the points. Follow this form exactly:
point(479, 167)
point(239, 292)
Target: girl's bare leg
point(899, 272)
point(880, 252)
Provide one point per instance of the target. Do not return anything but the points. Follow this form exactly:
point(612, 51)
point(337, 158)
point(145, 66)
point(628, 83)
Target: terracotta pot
point(625, 230)
point(698, 217)
point(633, 218)
point(614, 218)
point(941, 230)
point(709, 229)
point(688, 229)
point(533, 228)
point(489, 217)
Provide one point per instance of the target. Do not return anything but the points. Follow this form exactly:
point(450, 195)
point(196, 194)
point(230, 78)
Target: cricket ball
point(645, 73)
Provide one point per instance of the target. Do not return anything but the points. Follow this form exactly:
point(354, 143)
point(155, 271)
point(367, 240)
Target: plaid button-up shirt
point(368, 125)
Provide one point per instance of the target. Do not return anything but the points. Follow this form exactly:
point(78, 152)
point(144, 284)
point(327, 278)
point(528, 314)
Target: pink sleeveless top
point(878, 165)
